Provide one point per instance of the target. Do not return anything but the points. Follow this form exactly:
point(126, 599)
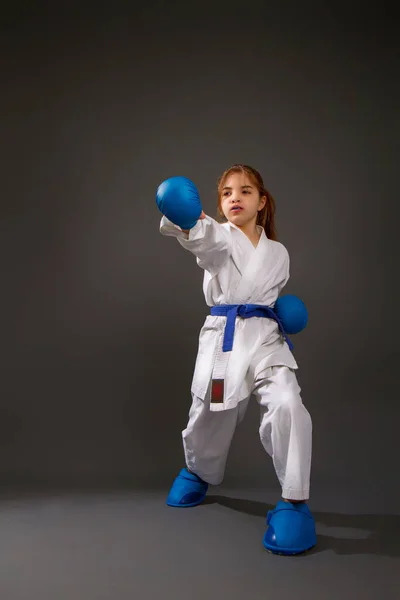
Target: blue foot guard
point(187, 490)
point(291, 529)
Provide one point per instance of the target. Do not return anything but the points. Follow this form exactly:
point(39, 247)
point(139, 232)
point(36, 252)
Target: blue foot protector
point(291, 529)
point(187, 490)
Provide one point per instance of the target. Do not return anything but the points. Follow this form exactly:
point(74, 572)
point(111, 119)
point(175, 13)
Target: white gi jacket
point(235, 272)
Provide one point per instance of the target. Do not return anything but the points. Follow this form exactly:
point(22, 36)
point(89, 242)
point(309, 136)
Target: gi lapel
point(238, 246)
point(253, 273)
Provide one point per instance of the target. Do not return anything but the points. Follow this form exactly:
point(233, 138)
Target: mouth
point(236, 209)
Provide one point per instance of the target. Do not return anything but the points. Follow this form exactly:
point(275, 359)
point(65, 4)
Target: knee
point(288, 400)
point(290, 406)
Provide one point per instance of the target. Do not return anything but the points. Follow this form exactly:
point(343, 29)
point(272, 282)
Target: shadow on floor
point(340, 533)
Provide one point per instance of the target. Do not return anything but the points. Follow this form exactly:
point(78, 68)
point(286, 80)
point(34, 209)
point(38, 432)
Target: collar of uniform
point(228, 224)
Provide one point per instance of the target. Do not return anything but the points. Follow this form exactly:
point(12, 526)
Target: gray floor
point(129, 545)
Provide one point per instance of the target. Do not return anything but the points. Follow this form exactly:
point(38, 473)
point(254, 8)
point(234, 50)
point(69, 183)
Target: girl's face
point(240, 200)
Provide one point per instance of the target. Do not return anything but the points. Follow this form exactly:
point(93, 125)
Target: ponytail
point(266, 216)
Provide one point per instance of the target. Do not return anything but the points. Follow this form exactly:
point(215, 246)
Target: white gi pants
point(285, 433)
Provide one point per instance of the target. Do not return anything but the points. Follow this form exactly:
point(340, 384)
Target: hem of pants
point(210, 480)
point(292, 494)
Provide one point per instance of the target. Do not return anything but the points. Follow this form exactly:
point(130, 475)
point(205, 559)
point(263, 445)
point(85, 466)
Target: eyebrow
point(243, 186)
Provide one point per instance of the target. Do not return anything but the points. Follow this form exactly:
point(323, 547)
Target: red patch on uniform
point(217, 390)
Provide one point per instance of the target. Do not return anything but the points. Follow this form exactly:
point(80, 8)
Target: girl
point(242, 354)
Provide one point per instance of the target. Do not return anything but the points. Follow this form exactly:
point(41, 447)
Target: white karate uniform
point(260, 363)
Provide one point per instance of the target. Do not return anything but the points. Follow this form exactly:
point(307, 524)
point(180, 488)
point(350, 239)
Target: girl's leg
point(286, 431)
point(207, 438)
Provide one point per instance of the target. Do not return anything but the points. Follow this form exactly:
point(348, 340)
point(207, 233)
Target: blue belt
point(245, 311)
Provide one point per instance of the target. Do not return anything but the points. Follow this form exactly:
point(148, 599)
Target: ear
point(262, 202)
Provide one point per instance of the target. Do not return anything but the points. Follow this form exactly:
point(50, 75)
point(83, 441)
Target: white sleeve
point(207, 240)
point(287, 265)
point(285, 268)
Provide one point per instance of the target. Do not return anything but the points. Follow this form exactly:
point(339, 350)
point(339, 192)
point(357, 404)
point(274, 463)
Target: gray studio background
point(101, 314)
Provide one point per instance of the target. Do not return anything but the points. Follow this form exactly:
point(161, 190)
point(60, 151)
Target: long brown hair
point(266, 216)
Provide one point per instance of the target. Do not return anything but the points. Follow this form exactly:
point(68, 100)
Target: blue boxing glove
point(292, 313)
point(178, 199)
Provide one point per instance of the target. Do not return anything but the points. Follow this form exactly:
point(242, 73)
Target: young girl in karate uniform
point(243, 351)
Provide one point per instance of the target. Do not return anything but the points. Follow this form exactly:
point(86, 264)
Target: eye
point(225, 193)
